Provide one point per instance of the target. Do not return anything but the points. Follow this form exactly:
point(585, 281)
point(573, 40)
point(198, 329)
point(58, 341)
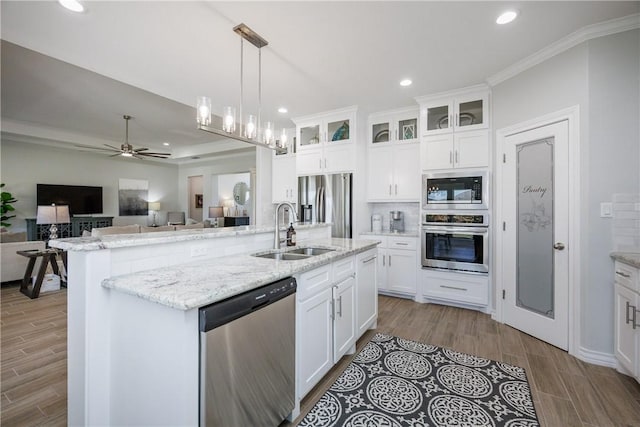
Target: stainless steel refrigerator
point(327, 198)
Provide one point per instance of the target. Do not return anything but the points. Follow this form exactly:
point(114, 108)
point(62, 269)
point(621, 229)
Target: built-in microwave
point(455, 190)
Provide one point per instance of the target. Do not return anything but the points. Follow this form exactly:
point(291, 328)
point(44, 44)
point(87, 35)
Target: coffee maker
point(396, 221)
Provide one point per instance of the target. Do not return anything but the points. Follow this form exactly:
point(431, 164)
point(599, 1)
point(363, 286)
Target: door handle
point(383, 256)
point(389, 260)
point(620, 273)
point(390, 189)
point(626, 314)
point(340, 306)
point(457, 157)
point(367, 261)
point(396, 189)
point(559, 246)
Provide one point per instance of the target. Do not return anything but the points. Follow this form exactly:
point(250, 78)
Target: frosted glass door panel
point(310, 135)
point(470, 113)
point(535, 257)
point(438, 117)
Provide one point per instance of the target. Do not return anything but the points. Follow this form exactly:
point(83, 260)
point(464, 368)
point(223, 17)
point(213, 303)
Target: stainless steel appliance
point(396, 221)
point(247, 357)
point(455, 241)
point(331, 200)
point(455, 190)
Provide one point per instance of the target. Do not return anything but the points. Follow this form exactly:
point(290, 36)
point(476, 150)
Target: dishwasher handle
point(223, 312)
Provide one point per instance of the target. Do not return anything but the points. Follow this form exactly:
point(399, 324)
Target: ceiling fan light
point(229, 119)
point(125, 154)
point(203, 111)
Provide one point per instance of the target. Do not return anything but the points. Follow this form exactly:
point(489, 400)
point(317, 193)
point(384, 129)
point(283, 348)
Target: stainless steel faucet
point(276, 232)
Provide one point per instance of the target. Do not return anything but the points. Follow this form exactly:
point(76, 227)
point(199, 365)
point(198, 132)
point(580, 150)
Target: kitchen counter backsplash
point(626, 222)
point(411, 215)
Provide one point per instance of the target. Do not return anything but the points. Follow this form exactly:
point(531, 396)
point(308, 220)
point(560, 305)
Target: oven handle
point(448, 230)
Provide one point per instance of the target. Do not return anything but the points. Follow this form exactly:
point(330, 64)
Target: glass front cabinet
point(394, 126)
point(461, 112)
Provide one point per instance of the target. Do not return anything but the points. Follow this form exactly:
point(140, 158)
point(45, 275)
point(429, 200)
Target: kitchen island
point(133, 304)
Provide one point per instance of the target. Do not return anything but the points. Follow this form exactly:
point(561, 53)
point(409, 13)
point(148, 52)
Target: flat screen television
point(81, 199)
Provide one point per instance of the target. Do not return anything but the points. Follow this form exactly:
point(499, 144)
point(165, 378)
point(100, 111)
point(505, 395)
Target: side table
point(48, 257)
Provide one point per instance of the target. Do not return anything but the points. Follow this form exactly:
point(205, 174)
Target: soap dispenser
point(291, 235)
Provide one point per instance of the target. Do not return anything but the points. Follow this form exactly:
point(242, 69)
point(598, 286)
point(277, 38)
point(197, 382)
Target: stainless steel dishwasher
point(247, 357)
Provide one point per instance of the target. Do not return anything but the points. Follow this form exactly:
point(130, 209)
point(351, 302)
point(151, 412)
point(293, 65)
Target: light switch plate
point(606, 210)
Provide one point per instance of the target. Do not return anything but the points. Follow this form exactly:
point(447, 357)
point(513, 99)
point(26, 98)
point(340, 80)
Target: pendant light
point(251, 132)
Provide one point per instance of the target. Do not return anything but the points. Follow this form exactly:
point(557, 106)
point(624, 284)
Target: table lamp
point(154, 207)
point(229, 203)
point(216, 212)
point(53, 215)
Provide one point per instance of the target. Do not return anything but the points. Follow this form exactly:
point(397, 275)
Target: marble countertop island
point(631, 258)
point(200, 283)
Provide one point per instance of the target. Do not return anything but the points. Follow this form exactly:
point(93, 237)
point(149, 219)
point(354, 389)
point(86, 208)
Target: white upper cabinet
point(394, 173)
point(325, 142)
point(455, 129)
point(463, 110)
point(284, 182)
point(394, 126)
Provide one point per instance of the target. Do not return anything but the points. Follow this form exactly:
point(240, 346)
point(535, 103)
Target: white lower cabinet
point(397, 264)
point(326, 326)
point(453, 287)
point(344, 317)
point(627, 319)
point(366, 291)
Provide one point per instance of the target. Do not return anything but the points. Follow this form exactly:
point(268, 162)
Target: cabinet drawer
point(344, 268)
point(456, 290)
point(314, 281)
point(408, 243)
point(627, 276)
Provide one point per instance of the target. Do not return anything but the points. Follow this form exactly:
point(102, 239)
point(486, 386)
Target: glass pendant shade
point(283, 138)
point(251, 128)
point(203, 111)
point(229, 119)
point(268, 135)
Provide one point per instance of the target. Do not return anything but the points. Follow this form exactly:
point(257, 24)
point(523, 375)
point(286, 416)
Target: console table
point(74, 229)
point(233, 221)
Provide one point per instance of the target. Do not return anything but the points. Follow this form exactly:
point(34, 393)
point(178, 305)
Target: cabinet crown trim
point(351, 109)
point(452, 93)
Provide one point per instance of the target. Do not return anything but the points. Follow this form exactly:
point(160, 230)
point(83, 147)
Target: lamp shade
point(154, 206)
point(53, 215)
point(216, 211)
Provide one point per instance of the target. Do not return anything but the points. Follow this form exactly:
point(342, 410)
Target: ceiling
point(70, 77)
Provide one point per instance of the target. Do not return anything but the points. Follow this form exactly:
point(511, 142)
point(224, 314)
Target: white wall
point(24, 165)
point(601, 76)
point(234, 163)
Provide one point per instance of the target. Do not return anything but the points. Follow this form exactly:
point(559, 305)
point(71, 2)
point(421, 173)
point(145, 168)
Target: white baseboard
point(597, 357)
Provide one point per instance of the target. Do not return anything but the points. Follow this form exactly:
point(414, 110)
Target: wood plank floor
point(566, 391)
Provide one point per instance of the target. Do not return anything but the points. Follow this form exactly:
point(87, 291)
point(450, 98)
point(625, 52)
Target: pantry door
point(535, 232)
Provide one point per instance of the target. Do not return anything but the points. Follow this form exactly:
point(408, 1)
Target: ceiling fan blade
point(157, 154)
point(113, 148)
point(162, 156)
point(93, 148)
point(140, 149)
point(116, 155)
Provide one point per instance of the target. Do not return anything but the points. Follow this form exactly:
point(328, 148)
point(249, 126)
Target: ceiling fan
point(126, 149)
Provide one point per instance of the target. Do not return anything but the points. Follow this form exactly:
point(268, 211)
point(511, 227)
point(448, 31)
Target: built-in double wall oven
point(456, 241)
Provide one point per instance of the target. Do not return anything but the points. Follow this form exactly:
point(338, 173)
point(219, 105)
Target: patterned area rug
point(396, 382)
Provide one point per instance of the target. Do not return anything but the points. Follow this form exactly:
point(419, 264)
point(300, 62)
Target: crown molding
point(613, 26)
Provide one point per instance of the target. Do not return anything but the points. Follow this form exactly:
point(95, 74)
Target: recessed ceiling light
point(72, 5)
point(507, 17)
point(405, 82)
point(282, 110)
point(166, 144)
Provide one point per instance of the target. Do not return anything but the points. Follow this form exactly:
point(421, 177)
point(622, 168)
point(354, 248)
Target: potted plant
point(7, 199)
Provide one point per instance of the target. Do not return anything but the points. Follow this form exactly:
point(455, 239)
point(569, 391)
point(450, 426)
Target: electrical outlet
point(606, 210)
point(198, 251)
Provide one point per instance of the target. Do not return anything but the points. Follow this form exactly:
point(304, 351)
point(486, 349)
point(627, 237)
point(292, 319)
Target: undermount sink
point(283, 256)
point(310, 251)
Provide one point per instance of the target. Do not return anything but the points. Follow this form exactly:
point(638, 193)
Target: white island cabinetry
point(133, 305)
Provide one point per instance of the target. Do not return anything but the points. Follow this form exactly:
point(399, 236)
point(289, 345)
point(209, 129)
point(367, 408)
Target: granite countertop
point(141, 239)
point(631, 258)
point(196, 284)
point(409, 233)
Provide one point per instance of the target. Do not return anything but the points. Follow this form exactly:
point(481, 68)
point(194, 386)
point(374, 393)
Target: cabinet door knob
point(559, 246)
